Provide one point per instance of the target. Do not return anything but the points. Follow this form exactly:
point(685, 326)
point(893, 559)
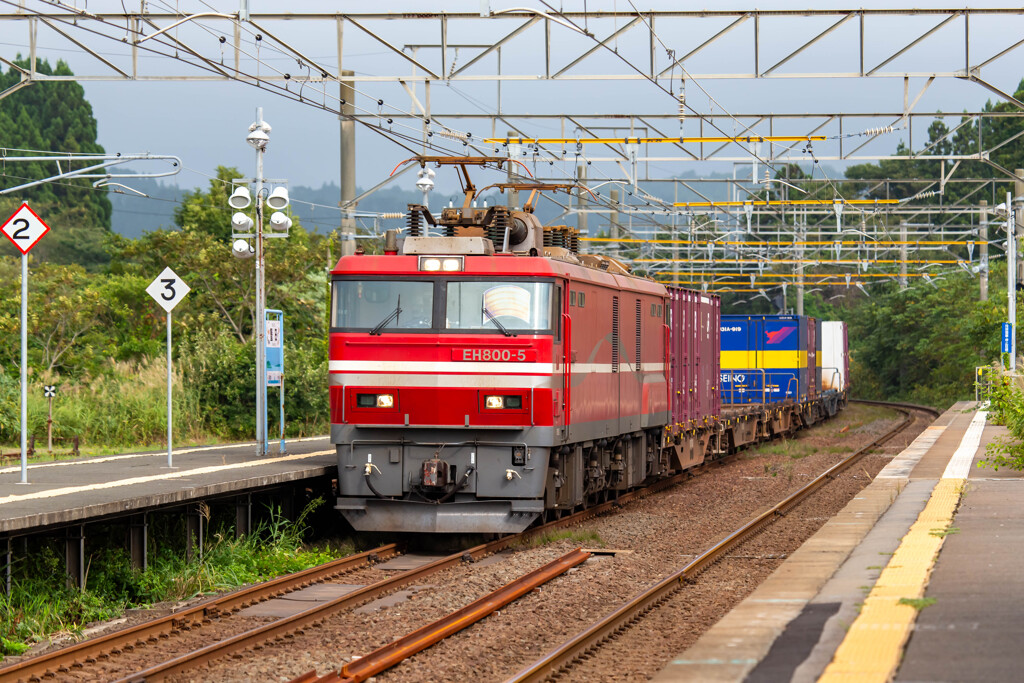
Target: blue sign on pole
point(1007, 337)
point(274, 350)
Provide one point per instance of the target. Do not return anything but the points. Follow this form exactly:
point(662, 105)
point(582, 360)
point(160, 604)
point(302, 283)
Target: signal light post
point(242, 232)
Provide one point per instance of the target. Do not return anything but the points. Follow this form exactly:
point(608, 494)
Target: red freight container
point(694, 357)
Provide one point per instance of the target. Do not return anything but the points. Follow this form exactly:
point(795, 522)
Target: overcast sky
point(206, 123)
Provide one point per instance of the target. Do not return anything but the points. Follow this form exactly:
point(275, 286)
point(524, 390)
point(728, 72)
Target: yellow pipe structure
point(808, 275)
point(756, 284)
point(731, 290)
point(645, 141)
point(787, 202)
point(815, 243)
point(794, 261)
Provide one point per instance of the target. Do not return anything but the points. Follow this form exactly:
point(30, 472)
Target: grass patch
point(792, 448)
point(40, 606)
point(917, 603)
point(942, 533)
point(584, 537)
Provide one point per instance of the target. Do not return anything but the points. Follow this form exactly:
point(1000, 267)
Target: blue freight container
point(766, 359)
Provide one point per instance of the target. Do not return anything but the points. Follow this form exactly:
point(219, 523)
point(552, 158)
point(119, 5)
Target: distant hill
point(317, 207)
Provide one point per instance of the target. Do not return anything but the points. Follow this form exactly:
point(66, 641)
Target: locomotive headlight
point(431, 264)
point(494, 402)
point(451, 264)
point(375, 400)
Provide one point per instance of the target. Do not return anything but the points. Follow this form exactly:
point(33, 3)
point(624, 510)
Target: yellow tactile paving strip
point(874, 644)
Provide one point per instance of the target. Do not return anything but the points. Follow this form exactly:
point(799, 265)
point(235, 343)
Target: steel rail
point(637, 607)
point(316, 614)
point(389, 655)
point(88, 651)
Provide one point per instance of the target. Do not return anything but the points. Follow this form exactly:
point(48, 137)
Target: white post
point(170, 421)
point(1011, 280)
point(261, 356)
point(24, 368)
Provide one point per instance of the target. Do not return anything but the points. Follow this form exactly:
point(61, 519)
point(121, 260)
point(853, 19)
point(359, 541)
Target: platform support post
point(288, 503)
point(8, 561)
point(138, 539)
point(243, 515)
point(74, 554)
point(194, 532)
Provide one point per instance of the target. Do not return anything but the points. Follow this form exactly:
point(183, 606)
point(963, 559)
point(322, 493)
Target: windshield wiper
point(497, 324)
point(391, 316)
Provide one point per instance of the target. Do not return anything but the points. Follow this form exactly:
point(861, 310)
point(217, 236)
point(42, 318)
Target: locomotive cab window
point(502, 306)
point(382, 305)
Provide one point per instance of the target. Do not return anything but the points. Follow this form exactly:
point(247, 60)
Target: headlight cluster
point(375, 400)
point(497, 402)
point(435, 263)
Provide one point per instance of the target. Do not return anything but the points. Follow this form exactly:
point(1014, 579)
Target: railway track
point(387, 656)
point(591, 639)
point(53, 664)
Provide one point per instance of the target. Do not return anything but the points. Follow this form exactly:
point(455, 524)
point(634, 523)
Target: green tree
point(53, 117)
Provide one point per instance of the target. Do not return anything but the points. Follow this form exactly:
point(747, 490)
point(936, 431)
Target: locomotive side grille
point(638, 345)
point(615, 334)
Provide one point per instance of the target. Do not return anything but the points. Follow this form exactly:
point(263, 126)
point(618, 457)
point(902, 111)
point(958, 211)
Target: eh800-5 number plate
point(498, 355)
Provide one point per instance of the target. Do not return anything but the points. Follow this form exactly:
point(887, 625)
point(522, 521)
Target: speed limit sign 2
point(24, 229)
point(168, 289)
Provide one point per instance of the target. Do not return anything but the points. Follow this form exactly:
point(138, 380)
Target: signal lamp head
point(242, 249)
point(278, 199)
point(278, 221)
point(258, 139)
point(240, 222)
point(240, 198)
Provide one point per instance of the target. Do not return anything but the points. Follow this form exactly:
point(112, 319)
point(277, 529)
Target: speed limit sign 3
point(168, 289)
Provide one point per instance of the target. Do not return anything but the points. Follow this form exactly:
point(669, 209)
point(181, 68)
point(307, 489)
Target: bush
point(10, 407)
point(1006, 407)
point(218, 376)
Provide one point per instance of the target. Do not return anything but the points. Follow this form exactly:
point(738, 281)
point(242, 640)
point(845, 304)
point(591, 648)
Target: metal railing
point(984, 380)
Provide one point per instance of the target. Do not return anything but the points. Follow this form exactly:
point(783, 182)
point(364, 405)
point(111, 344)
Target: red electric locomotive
point(483, 373)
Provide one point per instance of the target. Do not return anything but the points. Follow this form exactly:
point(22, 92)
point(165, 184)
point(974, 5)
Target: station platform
point(87, 490)
point(916, 579)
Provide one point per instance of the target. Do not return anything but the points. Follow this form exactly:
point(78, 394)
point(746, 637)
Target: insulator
point(414, 221)
point(496, 231)
point(878, 131)
point(452, 134)
point(574, 242)
point(392, 214)
point(682, 107)
point(548, 237)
